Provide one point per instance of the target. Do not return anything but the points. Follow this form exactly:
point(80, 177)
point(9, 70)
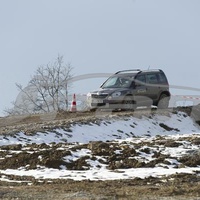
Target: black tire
point(128, 103)
point(93, 109)
point(163, 102)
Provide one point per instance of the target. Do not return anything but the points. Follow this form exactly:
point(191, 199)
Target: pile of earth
point(174, 187)
point(112, 154)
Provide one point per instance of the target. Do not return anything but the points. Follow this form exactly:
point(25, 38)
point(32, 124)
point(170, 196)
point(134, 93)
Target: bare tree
point(47, 90)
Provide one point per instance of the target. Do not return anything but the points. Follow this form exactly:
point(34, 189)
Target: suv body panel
point(144, 87)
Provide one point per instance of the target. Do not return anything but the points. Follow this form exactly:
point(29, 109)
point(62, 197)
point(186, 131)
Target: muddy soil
point(175, 187)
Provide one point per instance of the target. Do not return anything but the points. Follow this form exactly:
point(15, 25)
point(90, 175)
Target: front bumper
point(104, 103)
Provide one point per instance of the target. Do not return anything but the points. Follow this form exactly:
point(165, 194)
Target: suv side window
point(152, 78)
point(140, 80)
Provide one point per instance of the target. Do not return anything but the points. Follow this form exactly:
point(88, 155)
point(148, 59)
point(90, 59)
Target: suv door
point(153, 86)
point(140, 90)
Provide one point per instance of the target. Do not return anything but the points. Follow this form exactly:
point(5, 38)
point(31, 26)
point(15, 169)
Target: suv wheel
point(128, 103)
point(93, 109)
point(163, 102)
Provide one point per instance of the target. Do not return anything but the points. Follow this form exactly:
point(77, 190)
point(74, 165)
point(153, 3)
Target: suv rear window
point(162, 78)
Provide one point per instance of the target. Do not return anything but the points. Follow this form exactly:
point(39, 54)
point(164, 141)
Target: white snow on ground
point(112, 129)
point(129, 129)
point(99, 174)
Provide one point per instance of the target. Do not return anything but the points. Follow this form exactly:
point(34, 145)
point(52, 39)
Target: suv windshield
point(117, 82)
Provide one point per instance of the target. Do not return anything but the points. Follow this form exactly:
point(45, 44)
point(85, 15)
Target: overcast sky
point(98, 36)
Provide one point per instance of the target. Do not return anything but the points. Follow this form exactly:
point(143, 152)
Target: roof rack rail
point(155, 70)
point(129, 70)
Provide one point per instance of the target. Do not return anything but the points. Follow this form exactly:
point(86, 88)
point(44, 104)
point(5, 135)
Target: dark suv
point(129, 89)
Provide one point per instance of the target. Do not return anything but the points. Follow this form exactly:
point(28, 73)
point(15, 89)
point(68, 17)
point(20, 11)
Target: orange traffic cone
point(73, 105)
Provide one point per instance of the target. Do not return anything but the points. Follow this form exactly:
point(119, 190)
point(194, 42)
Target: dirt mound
point(192, 159)
point(116, 157)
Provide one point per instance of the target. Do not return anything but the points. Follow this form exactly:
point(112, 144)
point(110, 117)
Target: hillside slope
point(146, 148)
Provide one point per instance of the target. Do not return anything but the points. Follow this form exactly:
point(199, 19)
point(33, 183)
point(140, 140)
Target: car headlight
point(116, 94)
point(89, 94)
